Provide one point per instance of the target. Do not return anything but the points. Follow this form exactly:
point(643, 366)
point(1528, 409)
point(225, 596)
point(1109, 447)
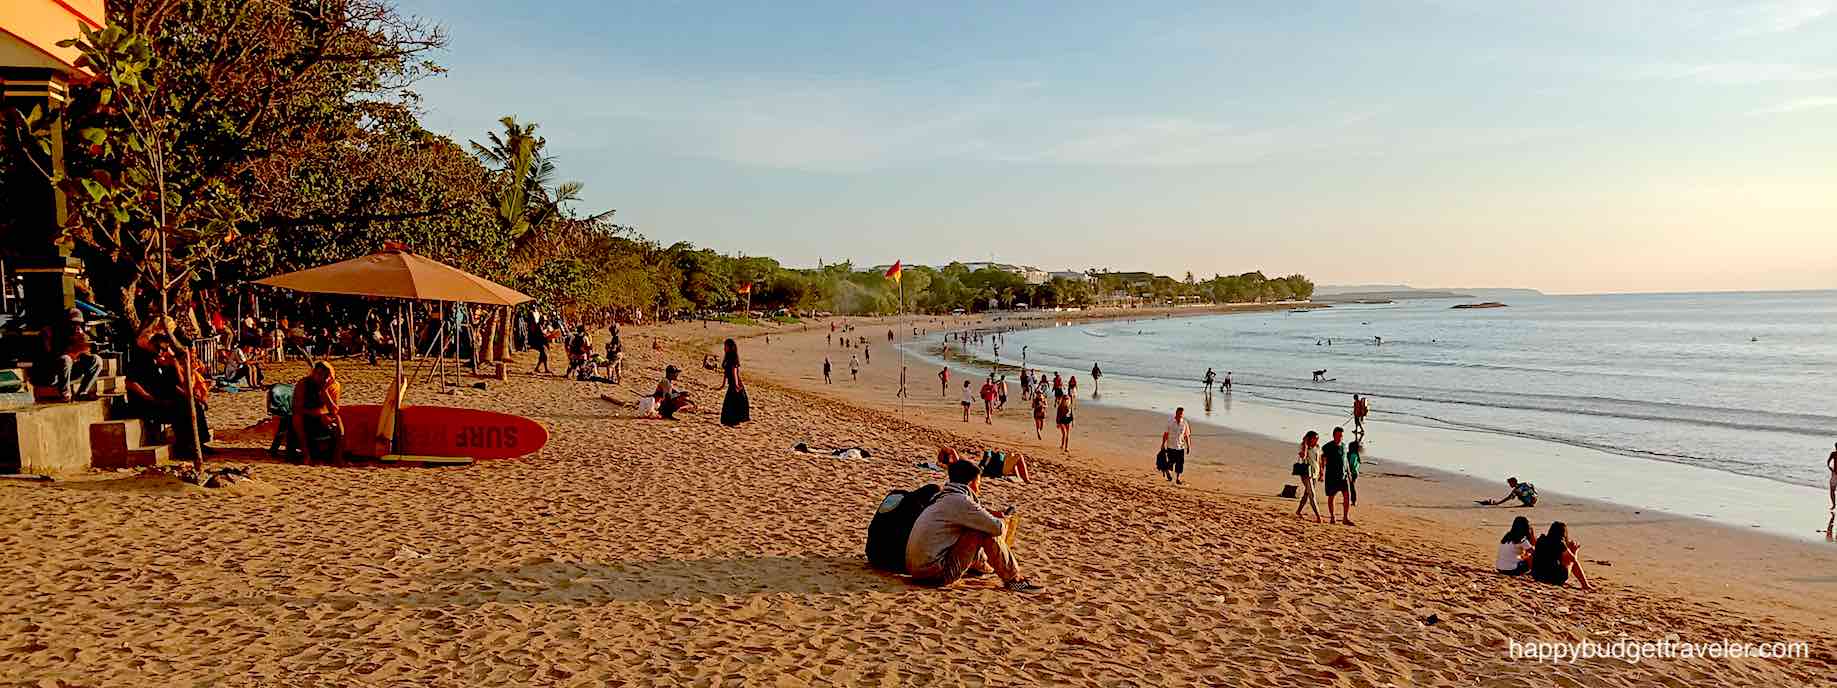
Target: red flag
point(745, 288)
point(893, 272)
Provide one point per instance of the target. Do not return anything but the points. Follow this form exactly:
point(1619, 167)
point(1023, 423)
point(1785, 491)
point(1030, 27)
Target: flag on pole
point(893, 272)
point(745, 288)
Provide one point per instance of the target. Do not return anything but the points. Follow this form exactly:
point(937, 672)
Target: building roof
point(31, 29)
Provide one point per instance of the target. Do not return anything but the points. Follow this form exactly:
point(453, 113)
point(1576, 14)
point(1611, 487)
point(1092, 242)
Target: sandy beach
point(649, 552)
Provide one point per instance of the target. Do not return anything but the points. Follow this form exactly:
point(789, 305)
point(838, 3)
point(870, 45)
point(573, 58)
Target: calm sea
point(1744, 383)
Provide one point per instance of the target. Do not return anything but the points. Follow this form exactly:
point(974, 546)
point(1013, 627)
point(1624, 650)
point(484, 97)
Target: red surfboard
point(445, 431)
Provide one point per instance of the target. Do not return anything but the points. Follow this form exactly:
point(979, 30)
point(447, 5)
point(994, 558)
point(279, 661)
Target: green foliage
point(263, 137)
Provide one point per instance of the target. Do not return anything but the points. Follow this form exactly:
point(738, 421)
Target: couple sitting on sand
point(1549, 559)
point(994, 464)
point(956, 537)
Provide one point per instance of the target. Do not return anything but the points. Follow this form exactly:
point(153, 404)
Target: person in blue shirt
point(1525, 493)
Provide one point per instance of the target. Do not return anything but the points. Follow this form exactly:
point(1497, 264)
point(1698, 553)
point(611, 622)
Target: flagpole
point(902, 350)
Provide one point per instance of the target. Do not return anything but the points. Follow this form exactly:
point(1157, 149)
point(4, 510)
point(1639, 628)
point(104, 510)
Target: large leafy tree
point(190, 101)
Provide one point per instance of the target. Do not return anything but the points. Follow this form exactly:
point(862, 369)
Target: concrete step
point(124, 444)
point(150, 456)
point(49, 438)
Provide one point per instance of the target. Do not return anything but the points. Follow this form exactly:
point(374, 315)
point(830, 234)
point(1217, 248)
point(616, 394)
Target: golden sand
point(651, 552)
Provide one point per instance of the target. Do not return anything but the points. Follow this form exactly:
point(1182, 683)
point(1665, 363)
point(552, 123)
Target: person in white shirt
point(1514, 557)
point(1175, 440)
point(969, 398)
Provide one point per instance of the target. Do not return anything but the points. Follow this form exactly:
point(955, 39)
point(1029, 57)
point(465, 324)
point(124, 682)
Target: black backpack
point(892, 526)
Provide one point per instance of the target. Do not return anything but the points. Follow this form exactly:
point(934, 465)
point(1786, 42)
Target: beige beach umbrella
point(397, 273)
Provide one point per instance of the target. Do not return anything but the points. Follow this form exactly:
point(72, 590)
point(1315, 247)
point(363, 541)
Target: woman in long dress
point(735, 409)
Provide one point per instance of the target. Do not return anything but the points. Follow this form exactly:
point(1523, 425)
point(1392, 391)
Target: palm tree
point(530, 198)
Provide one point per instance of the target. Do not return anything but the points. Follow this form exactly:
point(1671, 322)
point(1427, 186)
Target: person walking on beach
point(854, 369)
point(1210, 378)
point(867, 354)
point(1174, 441)
point(1831, 463)
point(969, 397)
point(735, 407)
point(1333, 474)
point(1026, 384)
point(1065, 424)
point(1308, 465)
point(1096, 376)
point(902, 382)
point(1039, 415)
point(1071, 388)
point(539, 338)
point(1353, 452)
point(1058, 386)
point(826, 370)
point(1001, 393)
point(944, 381)
point(988, 400)
point(1360, 409)
point(1227, 382)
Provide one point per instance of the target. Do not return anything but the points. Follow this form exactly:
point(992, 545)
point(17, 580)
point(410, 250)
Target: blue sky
point(1569, 146)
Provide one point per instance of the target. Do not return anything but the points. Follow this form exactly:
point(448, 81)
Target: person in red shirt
point(988, 402)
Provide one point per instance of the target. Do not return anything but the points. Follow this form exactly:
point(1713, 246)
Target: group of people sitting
point(1549, 559)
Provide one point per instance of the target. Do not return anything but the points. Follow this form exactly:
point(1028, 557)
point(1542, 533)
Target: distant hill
point(1399, 292)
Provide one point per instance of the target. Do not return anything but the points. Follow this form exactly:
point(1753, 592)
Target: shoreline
point(1668, 553)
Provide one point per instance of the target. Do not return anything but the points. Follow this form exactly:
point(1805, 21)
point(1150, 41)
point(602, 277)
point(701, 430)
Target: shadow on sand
point(586, 584)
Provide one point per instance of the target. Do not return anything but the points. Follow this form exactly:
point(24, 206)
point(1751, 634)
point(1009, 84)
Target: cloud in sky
point(1798, 105)
point(1733, 73)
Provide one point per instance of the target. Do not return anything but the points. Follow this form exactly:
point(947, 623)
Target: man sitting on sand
point(667, 399)
point(956, 537)
point(1525, 493)
point(67, 369)
point(317, 426)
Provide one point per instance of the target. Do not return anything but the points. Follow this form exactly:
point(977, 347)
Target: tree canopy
point(253, 137)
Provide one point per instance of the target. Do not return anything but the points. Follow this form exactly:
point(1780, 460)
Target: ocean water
point(1741, 384)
